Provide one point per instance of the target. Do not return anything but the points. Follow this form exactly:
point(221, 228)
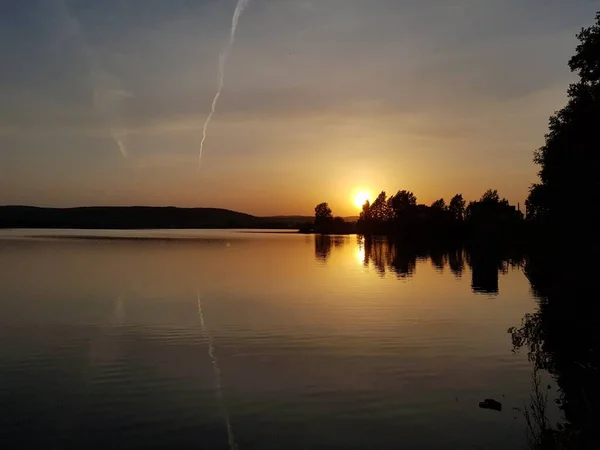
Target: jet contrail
point(218, 385)
point(108, 95)
point(107, 99)
point(239, 9)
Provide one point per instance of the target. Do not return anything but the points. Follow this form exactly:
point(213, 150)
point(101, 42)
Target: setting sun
point(360, 198)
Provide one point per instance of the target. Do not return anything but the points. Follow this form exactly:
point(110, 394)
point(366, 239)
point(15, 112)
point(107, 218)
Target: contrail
point(218, 385)
point(107, 98)
point(239, 9)
point(108, 95)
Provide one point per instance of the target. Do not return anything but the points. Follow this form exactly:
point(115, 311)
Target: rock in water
point(490, 403)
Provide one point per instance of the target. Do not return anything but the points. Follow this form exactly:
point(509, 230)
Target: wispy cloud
point(358, 81)
point(107, 91)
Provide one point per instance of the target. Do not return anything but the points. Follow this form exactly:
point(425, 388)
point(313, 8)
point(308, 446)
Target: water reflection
point(324, 244)
point(456, 262)
point(485, 267)
point(109, 330)
point(322, 247)
point(386, 256)
point(563, 338)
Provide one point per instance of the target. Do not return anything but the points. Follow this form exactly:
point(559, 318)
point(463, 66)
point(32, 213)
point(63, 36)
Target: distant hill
point(142, 217)
point(134, 217)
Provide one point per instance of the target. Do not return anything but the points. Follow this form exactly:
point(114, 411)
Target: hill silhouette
point(135, 217)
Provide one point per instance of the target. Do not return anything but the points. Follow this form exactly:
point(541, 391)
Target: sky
point(103, 103)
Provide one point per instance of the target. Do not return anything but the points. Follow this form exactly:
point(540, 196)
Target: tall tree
point(439, 205)
point(490, 196)
point(379, 209)
point(569, 184)
point(365, 214)
point(457, 207)
point(403, 202)
point(323, 215)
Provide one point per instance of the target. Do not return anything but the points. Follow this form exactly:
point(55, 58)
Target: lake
point(228, 339)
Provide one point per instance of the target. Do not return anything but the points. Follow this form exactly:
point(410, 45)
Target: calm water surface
point(224, 339)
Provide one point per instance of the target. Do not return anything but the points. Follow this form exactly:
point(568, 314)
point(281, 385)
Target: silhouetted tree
point(439, 205)
point(365, 214)
point(436, 222)
point(338, 221)
point(492, 220)
point(323, 216)
point(325, 223)
point(380, 210)
point(537, 203)
point(375, 217)
point(457, 207)
point(490, 196)
point(403, 202)
point(570, 158)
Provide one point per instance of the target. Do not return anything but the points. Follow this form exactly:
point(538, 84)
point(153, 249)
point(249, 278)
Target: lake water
point(226, 339)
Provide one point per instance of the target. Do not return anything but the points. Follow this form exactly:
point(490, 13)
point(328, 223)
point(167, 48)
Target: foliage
point(439, 205)
point(570, 157)
point(540, 435)
point(380, 209)
point(325, 223)
point(365, 214)
point(403, 202)
point(457, 207)
point(563, 338)
point(400, 215)
point(490, 196)
point(323, 214)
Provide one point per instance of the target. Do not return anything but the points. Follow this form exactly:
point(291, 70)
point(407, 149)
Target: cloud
point(401, 80)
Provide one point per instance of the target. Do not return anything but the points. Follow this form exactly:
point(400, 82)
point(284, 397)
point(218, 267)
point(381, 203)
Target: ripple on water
point(101, 347)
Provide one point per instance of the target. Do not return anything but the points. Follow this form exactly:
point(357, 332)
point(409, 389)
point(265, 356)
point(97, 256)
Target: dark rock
point(489, 403)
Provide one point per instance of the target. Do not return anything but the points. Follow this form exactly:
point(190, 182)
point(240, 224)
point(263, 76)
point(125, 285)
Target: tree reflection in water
point(324, 244)
point(563, 338)
point(400, 259)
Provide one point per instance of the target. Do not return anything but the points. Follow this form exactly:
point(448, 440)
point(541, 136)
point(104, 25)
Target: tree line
point(563, 336)
point(566, 198)
point(562, 206)
point(388, 256)
point(561, 232)
point(402, 216)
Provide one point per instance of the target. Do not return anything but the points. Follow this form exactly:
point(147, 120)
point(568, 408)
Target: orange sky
point(321, 99)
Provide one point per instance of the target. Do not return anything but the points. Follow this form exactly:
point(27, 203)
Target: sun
point(360, 198)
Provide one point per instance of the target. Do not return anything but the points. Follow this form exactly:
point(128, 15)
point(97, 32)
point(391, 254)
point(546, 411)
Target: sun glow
point(360, 198)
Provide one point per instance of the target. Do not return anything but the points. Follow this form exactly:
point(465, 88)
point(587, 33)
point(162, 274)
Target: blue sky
point(322, 98)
